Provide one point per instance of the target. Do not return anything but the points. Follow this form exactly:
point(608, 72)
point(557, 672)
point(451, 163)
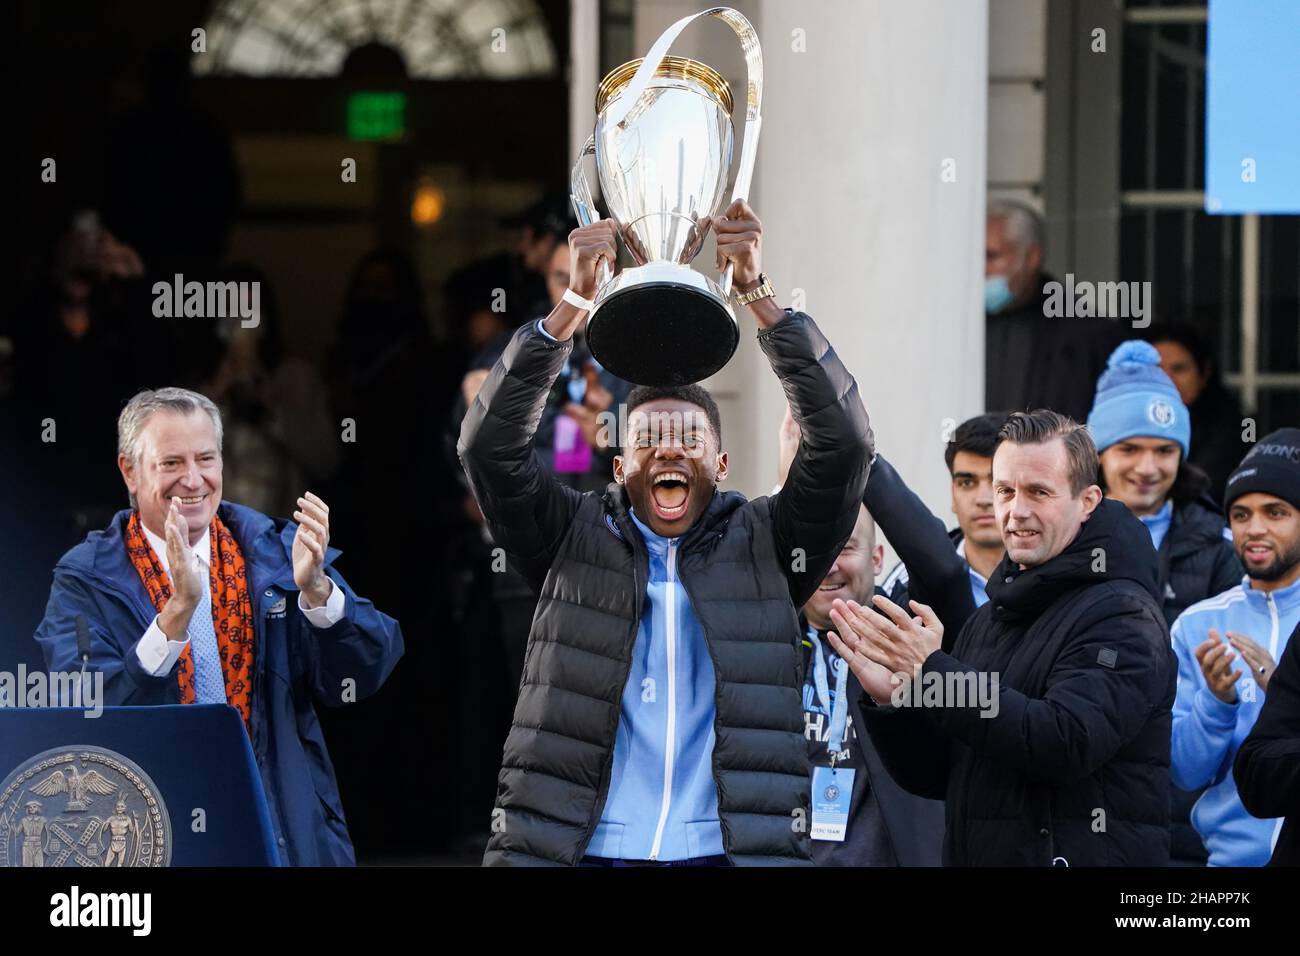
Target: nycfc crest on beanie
point(1271, 467)
point(1136, 399)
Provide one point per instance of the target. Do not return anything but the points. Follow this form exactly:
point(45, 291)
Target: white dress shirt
point(158, 655)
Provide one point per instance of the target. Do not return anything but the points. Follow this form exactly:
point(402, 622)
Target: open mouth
point(669, 492)
point(826, 588)
point(192, 500)
point(1258, 552)
point(1024, 537)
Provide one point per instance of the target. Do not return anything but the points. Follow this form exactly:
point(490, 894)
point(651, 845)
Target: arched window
point(438, 39)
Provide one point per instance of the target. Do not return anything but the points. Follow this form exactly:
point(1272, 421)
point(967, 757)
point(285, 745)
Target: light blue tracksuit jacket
point(663, 802)
point(1208, 732)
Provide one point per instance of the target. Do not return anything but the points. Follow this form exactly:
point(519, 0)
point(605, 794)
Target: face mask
point(997, 294)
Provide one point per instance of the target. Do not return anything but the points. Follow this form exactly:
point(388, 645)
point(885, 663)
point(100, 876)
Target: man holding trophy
point(659, 719)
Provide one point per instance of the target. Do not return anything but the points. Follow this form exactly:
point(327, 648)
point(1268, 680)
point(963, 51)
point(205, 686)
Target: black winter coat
point(1033, 360)
point(590, 564)
point(1267, 767)
point(1074, 767)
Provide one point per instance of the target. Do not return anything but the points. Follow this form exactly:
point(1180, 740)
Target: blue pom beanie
point(1136, 399)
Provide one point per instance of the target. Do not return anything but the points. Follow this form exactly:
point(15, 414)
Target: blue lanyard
point(839, 711)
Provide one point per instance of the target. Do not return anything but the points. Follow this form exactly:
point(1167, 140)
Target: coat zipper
point(717, 708)
point(670, 744)
point(1272, 614)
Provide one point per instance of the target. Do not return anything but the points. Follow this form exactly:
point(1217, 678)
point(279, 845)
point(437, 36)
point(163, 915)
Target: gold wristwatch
point(761, 291)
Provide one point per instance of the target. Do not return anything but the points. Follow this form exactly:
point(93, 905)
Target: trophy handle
point(584, 207)
point(626, 105)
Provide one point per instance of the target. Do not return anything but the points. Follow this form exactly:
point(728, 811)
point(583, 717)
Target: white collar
point(202, 549)
point(961, 553)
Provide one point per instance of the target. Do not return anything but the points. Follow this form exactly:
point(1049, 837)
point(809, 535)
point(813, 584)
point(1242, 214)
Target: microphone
point(83, 650)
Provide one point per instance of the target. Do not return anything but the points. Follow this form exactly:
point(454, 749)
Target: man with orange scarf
point(189, 599)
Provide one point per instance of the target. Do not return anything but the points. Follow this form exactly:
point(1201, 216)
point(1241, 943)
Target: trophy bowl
point(663, 147)
point(663, 325)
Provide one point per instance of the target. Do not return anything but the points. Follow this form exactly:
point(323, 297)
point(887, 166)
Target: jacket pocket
point(333, 813)
point(702, 837)
point(607, 841)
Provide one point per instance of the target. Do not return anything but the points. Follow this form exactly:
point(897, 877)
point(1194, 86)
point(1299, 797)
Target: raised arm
point(814, 513)
point(526, 510)
point(937, 575)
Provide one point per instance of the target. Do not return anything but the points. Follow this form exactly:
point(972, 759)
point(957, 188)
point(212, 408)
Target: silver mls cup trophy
point(663, 145)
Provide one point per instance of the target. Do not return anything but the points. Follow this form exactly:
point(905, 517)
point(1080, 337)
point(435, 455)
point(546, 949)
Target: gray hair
point(138, 411)
point(1024, 225)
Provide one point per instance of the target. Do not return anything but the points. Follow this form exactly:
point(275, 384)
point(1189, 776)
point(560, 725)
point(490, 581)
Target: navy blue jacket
point(295, 665)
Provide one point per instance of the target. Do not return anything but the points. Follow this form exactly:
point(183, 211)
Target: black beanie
point(1271, 467)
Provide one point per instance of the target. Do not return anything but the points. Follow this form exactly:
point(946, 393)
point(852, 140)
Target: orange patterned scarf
point(232, 609)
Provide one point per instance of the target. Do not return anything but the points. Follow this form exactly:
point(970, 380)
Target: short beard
point(1280, 568)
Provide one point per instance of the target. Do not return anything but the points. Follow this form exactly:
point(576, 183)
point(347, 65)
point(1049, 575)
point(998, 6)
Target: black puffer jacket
point(1196, 561)
point(1074, 767)
point(747, 566)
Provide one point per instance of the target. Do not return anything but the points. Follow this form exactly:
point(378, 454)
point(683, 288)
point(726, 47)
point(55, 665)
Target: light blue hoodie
point(1208, 732)
point(662, 802)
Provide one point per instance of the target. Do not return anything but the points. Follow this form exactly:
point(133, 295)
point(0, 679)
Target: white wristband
point(577, 301)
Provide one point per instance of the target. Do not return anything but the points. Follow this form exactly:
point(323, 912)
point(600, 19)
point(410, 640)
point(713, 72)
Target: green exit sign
point(376, 115)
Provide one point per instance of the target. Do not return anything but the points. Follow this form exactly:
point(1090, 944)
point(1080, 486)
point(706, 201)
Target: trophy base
point(662, 324)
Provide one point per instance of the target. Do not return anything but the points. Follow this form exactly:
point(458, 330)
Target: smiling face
point(972, 499)
point(853, 575)
point(671, 464)
point(1266, 536)
point(177, 456)
point(1140, 471)
point(1036, 511)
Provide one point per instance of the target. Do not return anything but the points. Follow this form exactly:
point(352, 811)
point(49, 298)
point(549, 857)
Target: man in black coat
point(1267, 768)
point(659, 716)
point(1032, 357)
point(1047, 727)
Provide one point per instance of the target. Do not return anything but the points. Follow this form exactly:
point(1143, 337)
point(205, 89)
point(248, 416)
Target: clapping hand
point(186, 581)
point(1215, 657)
point(884, 649)
point(309, 546)
point(1259, 660)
